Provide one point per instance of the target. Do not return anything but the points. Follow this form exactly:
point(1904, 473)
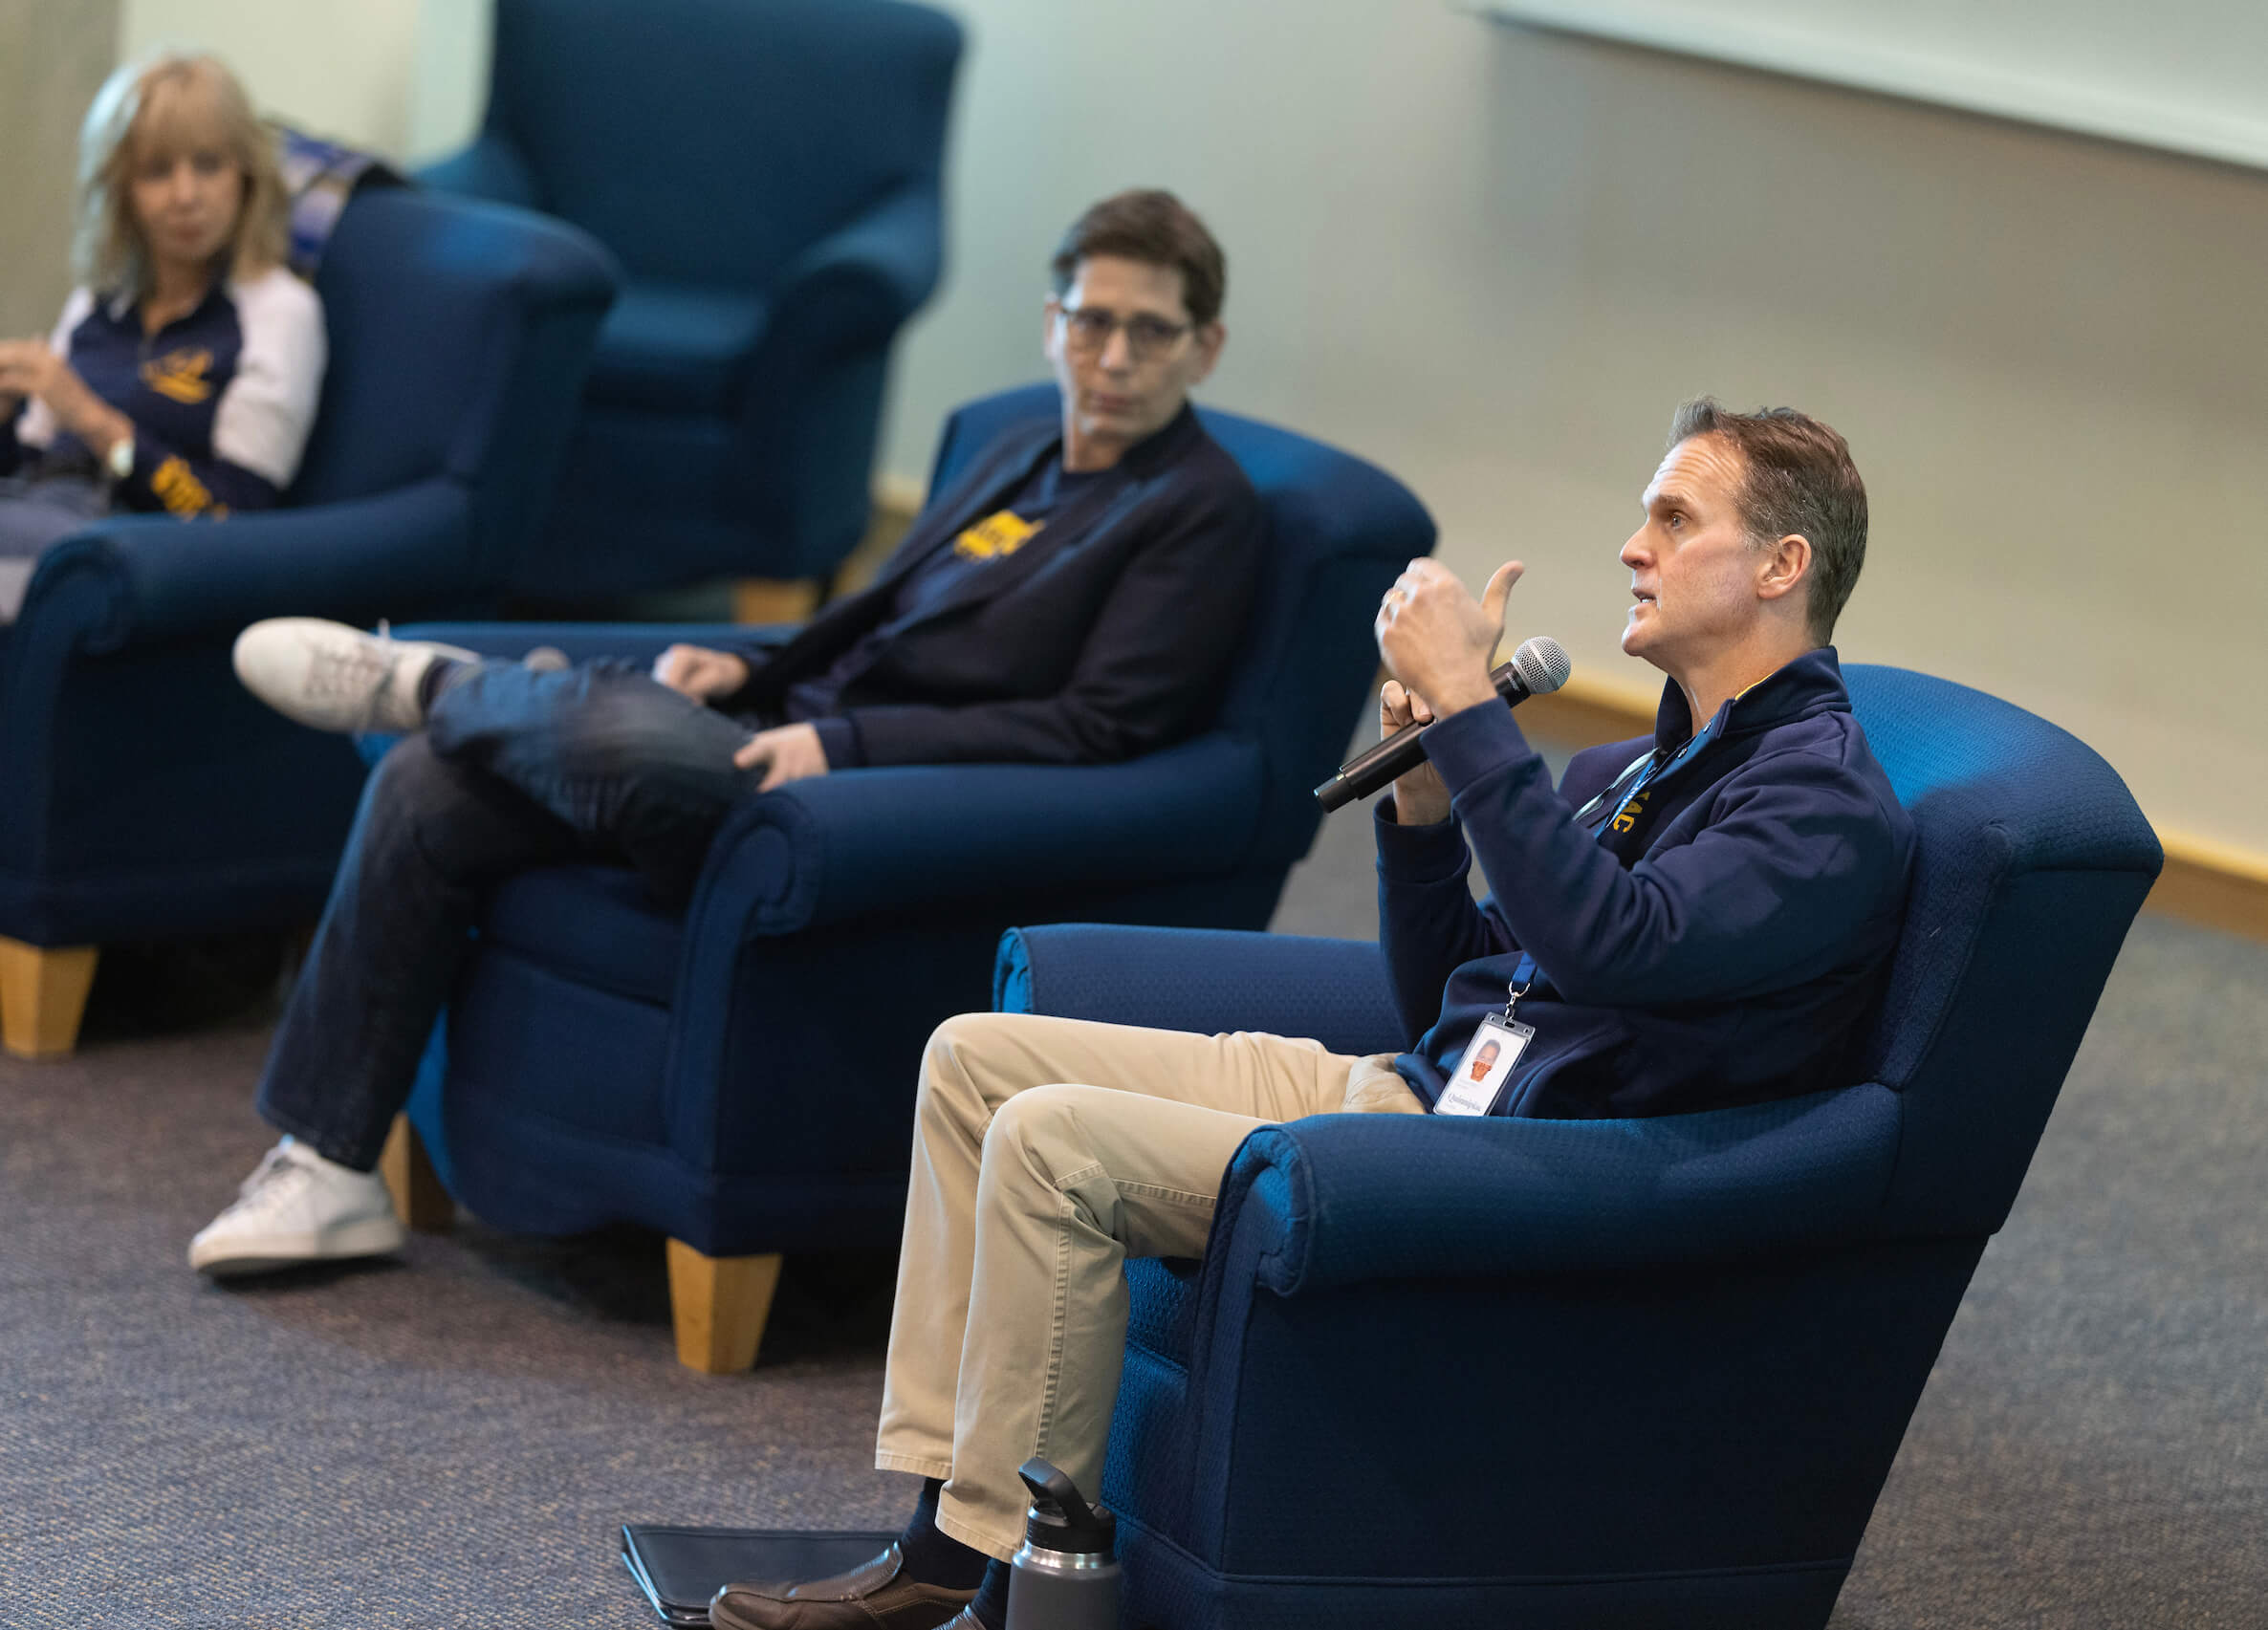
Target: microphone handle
point(1399, 753)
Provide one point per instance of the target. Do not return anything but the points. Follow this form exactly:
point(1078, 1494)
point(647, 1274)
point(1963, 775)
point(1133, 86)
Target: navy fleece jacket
point(1716, 940)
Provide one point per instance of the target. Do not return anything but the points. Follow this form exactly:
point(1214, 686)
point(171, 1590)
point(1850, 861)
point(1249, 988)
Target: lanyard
point(1523, 976)
point(1615, 787)
point(1647, 768)
point(1678, 760)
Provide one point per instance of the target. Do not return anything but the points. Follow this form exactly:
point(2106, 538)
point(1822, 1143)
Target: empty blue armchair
point(767, 170)
point(741, 1077)
point(142, 793)
point(1611, 1373)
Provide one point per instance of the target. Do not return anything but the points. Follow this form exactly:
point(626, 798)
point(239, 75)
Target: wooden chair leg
point(43, 996)
point(774, 599)
point(420, 1200)
point(719, 1304)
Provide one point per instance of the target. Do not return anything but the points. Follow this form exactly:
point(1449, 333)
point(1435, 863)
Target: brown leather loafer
point(874, 1595)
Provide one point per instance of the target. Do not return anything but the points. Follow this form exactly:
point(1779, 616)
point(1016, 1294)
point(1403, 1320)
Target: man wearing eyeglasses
point(1072, 598)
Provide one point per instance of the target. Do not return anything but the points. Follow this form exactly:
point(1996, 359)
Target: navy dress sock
point(933, 1556)
point(990, 1609)
point(437, 677)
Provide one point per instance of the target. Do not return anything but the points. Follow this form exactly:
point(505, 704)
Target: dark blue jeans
point(514, 769)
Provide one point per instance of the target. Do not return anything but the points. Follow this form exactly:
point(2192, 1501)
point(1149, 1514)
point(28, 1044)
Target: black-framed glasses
point(1087, 331)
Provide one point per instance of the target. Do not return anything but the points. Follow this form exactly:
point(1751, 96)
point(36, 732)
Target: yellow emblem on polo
point(179, 490)
point(997, 534)
point(179, 375)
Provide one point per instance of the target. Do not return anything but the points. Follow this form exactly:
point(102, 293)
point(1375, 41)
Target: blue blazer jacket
point(1104, 636)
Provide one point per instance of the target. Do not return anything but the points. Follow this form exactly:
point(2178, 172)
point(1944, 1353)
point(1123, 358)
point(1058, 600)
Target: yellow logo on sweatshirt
point(179, 490)
point(996, 535)
point(179, 375)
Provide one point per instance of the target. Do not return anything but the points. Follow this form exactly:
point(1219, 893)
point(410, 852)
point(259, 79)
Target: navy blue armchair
point(767, 170)
point(142, 793)
point(741, 1076)
point(1629, 1375)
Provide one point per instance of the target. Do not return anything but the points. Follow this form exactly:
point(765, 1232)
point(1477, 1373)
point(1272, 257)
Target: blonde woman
point(184, 373)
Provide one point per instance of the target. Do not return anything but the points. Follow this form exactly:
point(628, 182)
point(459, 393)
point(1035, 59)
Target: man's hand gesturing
point(1437, 638)
point(1438, 641)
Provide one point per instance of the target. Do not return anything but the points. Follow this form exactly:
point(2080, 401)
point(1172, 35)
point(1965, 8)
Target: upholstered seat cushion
point(677, 347)
point(592, 925)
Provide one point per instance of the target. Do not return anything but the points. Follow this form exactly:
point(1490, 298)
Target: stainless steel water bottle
point(1066, 1575)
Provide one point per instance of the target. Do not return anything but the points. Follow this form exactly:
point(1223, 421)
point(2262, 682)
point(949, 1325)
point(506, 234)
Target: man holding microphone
point(1685, 924)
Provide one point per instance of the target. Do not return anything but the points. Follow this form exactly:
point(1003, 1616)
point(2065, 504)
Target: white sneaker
point(297, 1207)
point(337, 678)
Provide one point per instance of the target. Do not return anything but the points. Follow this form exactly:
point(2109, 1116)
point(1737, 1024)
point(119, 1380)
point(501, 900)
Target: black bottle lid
point(1060, 1520)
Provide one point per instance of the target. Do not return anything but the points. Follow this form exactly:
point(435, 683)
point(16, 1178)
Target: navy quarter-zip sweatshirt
point(1707, 932)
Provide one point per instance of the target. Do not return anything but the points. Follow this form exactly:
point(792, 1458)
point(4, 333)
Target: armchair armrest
point(810, 394)
point(856, 284)
point(490, 168)
point(1340, 1199)
point(1203, 980)
point(127, 580)
point(580, 642)
point(861, 841)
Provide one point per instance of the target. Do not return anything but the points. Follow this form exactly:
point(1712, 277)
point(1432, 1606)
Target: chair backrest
point(459, 335)
point(710, 141)
point(1340, 531)
point(2030, 864)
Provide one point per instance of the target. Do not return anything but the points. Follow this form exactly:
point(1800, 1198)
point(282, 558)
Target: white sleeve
point(263, 417)
point(37, 427)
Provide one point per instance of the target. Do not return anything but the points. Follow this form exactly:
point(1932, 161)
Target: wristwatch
point(121, 461)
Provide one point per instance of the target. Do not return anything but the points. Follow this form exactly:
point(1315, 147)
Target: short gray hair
point(1797, 477)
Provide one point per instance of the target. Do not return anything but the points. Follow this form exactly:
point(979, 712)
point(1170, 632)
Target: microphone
point(1538, 668)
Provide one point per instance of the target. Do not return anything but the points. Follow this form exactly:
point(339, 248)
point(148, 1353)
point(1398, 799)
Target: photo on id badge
point(1483, 1070)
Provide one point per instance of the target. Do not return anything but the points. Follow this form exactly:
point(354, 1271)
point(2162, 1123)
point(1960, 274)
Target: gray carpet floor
point(452, 1439)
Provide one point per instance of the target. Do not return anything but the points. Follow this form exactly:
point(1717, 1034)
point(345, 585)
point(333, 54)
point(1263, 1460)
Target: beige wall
point(406, 79)
point(1493, 260)
point(52, 56)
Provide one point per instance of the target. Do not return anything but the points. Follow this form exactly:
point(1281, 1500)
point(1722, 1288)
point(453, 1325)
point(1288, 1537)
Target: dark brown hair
point(1151, 225)
point(1798, 478)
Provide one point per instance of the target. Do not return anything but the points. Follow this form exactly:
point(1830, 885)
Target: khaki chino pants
point(1045, 1152)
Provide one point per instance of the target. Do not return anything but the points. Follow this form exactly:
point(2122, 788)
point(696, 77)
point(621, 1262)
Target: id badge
point(1485, 1067)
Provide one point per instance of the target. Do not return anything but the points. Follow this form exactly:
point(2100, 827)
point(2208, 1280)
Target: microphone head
point(1542, 664)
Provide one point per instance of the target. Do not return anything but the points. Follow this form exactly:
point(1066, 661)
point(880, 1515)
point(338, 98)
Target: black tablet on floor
point(679, 1568)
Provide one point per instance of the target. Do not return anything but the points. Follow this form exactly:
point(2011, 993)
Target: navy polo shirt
point(222, 398)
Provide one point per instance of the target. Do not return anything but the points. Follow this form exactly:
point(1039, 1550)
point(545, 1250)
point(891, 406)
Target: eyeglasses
point(1087, 332)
